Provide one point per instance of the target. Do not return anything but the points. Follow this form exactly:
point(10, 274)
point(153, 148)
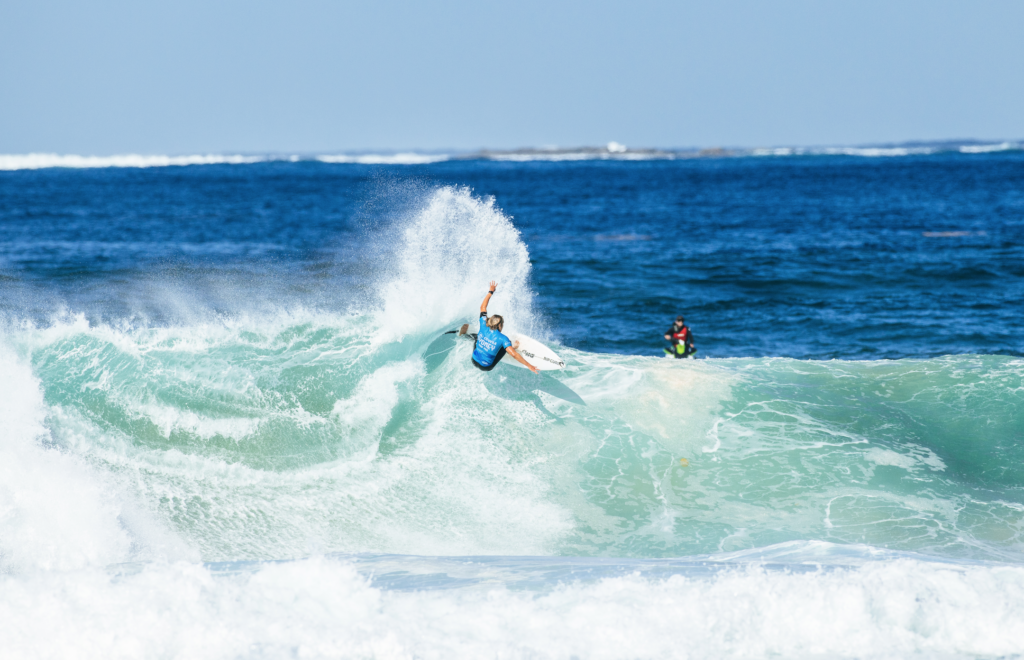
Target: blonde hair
point(494, 321)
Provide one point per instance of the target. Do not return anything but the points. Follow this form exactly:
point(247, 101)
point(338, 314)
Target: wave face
point(295, 480)
point(260, 440)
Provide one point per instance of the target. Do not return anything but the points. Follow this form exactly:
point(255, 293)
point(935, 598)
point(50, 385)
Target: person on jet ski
point(681, 339)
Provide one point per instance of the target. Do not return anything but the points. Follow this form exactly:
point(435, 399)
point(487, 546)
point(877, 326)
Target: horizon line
point(611, 151)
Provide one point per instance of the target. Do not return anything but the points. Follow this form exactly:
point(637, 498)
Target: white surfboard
point(536, 354)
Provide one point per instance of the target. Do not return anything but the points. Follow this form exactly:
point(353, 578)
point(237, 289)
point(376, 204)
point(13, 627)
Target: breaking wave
point(259, 478)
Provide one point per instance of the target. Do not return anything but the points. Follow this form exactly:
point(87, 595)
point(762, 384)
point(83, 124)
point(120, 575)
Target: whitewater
point(282, 477)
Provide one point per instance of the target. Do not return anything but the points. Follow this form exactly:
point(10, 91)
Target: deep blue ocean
point(231, 426)
point(808, 257)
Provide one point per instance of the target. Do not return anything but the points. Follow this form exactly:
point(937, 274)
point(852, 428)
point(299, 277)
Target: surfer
point(681, 338)
point(490, 344)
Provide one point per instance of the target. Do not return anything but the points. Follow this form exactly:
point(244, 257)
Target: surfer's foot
point(464, 329)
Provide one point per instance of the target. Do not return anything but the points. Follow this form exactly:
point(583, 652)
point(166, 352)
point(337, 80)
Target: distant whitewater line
point(42, 161)
point(612, 151)
point(917, 150)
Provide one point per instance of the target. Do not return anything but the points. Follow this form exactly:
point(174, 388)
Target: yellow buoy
point(684, 462)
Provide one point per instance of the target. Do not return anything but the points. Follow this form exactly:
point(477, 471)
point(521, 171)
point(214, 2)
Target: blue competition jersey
point(488, 343)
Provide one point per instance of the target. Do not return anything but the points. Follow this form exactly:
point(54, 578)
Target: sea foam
point(326, 608)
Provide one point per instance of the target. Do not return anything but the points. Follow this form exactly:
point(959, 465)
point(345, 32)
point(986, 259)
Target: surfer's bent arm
point(487, 298)
point(511, 351)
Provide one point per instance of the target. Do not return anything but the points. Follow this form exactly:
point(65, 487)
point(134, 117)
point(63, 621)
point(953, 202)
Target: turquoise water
point(229, 432)
point(293, 460)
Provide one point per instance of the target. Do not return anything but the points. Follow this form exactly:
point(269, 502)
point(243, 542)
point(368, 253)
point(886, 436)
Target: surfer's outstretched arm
point(511, 351)
point(487, 298)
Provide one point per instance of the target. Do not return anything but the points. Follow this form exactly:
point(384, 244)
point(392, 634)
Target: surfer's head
point(679, 320)
point(495, 322)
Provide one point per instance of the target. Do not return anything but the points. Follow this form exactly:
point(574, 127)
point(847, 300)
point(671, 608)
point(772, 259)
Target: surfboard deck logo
point(537, 354)
point(532, 357)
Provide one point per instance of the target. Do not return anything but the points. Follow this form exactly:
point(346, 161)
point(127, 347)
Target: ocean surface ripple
point(231, 426)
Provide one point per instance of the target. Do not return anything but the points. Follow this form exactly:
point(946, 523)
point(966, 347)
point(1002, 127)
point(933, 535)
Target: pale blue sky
point(230, 76)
